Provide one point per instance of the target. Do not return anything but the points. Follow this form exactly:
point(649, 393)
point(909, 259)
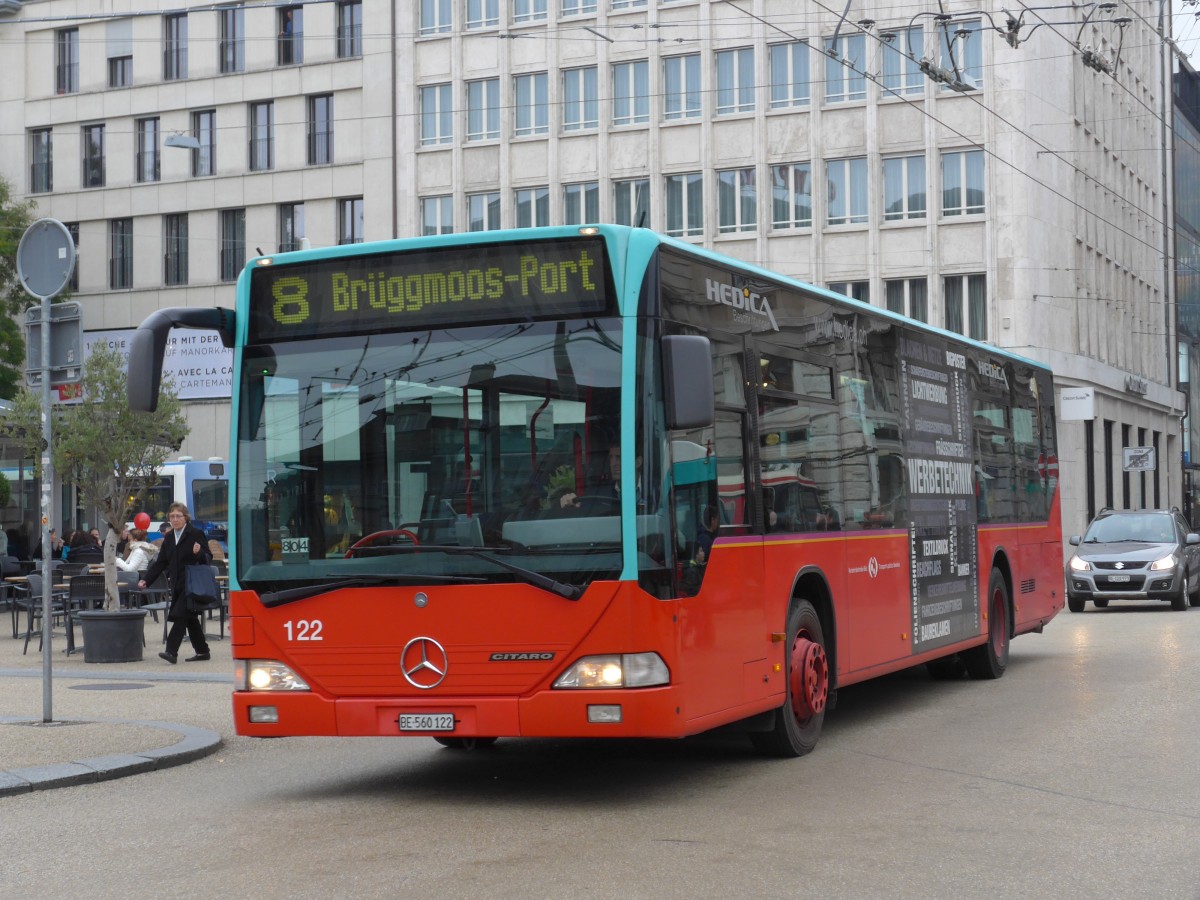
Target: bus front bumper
point(641, 712)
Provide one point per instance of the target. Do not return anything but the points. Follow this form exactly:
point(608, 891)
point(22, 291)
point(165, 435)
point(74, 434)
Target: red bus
point(471, 475)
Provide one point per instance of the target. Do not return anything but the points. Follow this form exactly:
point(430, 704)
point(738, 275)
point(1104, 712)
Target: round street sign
point(45, 258)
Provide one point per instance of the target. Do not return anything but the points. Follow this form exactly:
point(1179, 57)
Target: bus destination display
point(428, 287)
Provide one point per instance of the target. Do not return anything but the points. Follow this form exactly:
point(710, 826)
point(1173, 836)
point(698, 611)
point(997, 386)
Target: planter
point(112, 637)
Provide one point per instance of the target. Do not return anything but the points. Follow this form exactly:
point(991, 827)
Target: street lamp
point(186, 141)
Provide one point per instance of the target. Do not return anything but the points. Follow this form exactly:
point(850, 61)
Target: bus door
point(723, 632)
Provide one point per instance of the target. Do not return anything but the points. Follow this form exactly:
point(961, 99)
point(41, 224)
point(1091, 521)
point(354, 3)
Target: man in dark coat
point(184, 545)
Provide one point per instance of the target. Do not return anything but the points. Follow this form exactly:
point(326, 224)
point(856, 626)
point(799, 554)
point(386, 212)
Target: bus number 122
point(303, 630)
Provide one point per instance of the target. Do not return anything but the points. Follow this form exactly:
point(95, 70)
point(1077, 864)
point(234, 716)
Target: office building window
point(631, 202)
point(204, 129)
point(232, 45)
point(289, 48)
point(581, 203)
point(532, 104)
point(41, 161)
point(578, 7)
point(483, 211)
point(859, 290)
point(532, 207)
point(437, 115)
point(233, 243)
point(966, 305)
point(581, 103)
point(631, 93)
point(320, 129)
point(349, 29)
point(627, 4)
point(483, 13)
point(66, 61)
point(483, 109)
point(147, 159)
point(350, 220)
point(685, 205)
point(909, 297)
point(175, 46)
point(847, 183)
point(962, 183)
point(681, 87)
point(845, 63)
point(735, 81)
point(904, 188)
point(93, 156)
point(262, 129)
point(120, 253)
point(73, 230)
point(291, 226)
point(791, 196)
point(737, 201)
point(175, 248)
point(437, 215)
point(528, 11)
point(789, 75)
point(901, 74)
point(435, 16)
point(120, 71)
point(961, 50)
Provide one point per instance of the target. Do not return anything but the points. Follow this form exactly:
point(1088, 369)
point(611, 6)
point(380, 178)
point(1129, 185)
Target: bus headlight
point(1162, 565)
point(626, 670)
point(267, 675)
point(1080, 565)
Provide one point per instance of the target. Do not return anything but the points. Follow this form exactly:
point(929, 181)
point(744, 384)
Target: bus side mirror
point(149, 343)
point(687, 381)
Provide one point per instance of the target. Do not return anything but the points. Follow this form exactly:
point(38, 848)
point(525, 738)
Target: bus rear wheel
point(991, 659)
point(798, 722)
point(466, 743)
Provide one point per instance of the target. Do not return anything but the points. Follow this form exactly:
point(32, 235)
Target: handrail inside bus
point(149, 343)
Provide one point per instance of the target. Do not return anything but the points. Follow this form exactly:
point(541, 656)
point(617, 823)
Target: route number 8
point(291, 300)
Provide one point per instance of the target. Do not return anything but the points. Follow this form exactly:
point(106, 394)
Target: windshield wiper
point(291, 595)
point(537, 579)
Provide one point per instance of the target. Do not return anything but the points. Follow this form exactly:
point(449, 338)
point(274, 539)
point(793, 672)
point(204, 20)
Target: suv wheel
point(1180, 601)
point(1075, 604)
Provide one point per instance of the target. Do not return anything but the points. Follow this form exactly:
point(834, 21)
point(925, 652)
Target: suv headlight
point(1080, 565)
point(627, 670)
point(1167, 562)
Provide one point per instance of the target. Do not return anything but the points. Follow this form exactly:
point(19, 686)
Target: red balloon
point(142, 521)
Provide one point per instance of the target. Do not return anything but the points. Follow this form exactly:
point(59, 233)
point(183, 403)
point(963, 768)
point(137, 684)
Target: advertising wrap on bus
point(596, 482)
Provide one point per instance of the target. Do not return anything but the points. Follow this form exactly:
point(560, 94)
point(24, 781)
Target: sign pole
point(47, 493)
point(45, 260)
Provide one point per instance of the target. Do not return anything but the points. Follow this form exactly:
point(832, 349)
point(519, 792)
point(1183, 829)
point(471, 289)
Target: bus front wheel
point(798, 722)
point(991, 659)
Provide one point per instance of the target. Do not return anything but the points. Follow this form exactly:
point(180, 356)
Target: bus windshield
point(473, 454)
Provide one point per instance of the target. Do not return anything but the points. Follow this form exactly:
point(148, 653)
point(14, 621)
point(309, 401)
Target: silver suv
point(1142, 554)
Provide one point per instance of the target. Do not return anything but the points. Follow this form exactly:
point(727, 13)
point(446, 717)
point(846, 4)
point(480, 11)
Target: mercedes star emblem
point(424, 663)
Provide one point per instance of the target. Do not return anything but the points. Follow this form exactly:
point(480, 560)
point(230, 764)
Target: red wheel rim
point(810, 678)
point(998, 626)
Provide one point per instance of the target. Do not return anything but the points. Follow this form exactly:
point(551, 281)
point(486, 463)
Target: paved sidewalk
point(107, 741)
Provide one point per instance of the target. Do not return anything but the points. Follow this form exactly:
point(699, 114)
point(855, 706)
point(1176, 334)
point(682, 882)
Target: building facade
point(1005, 178)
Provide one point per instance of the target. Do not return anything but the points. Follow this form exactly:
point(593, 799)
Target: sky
point(1187, 29)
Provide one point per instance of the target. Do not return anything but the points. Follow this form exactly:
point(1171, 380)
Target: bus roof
point(635, 246)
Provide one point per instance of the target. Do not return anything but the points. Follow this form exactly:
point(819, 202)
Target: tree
point(109, 451)
point(15, 218)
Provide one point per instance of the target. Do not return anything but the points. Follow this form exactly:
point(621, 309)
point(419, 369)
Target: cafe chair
point(31, 600)
point(84, 592)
